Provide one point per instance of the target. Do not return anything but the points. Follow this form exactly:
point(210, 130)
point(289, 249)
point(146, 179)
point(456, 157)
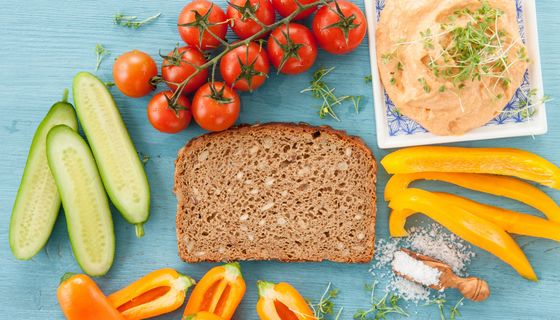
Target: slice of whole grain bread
point(283, 191)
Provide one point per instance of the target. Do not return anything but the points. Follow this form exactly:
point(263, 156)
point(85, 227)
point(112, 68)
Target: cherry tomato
point(215, 107)
point(179, 65)
point(286, 7)
point(294, 54)
point(165, 118)
point(339, 27)
point(132, 73)
point(209, 14)
point(245, 68)
point(240, 11)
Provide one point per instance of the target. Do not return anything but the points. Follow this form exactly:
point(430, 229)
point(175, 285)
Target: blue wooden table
point(44, 43)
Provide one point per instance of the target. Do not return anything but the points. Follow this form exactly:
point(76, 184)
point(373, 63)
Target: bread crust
point(182, 156)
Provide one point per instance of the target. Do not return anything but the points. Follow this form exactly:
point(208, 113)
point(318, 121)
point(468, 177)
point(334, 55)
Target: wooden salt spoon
point(472, 288)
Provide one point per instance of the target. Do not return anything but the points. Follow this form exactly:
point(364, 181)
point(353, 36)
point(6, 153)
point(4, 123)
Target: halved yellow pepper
point(501, 161)
point(478, 231)
point(511, 221)
point(159, 292)
point(220, 291)
point(281, 302)
point(497, 185)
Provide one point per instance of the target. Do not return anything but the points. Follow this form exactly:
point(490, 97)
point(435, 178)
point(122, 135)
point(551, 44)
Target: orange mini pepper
point(81, 299)
point(492, 184)
point(478, 231)
point(501, 161)
point(202, 315)
point(159, 292)
point(220, 291)
point(281, 302)
point(511, 221)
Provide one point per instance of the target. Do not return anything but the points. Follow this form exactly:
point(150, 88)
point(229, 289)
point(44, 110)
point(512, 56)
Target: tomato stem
point(204, 26)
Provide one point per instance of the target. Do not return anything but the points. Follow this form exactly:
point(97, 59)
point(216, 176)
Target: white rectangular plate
point(396, 131)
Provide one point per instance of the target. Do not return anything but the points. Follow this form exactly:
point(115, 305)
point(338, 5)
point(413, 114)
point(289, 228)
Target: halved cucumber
point(85, 203)
point(37, 202)
point(120, 167)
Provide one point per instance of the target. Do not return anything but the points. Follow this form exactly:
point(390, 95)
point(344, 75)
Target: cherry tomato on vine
point(239, 12)
point(180, 64)
point(215, 106)
point(166, 118)
point(245, 68)
point(339, 27)
point(132, 73)
point(292, 49)
point(286, 7)
point(193, 19)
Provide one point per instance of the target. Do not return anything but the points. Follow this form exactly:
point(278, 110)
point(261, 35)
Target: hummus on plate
point(450, 65)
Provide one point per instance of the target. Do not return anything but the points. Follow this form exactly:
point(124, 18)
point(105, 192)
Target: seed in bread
point(281, 191)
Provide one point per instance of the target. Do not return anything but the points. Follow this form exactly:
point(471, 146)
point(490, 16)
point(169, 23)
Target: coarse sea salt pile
point(430, 240)
point(414, 269)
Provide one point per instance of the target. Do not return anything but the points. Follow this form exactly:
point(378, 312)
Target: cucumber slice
point(85, 203)
point(37, 202)
point(120, 167)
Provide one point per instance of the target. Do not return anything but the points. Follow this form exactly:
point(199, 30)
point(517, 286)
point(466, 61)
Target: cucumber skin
point(40, 136)
point(72, 243)
point(131, 216)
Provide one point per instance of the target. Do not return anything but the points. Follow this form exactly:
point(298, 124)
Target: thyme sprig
point(381, 308)
point(325, 306)
point(132, 21)
point(227, 47)
point(320, 89)
point(100, 53)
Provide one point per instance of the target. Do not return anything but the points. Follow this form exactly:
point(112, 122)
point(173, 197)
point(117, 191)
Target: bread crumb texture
point(288, 192)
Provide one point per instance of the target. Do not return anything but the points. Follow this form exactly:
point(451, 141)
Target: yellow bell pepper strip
point(281, 302)
point(220, 291)
point(81, 299)
point(492, 184)
point(159, 292)
point(202, 315)
point(511, 221)
point(478, 231)
point(500, 161)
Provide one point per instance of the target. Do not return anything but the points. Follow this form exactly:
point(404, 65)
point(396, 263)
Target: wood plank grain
point(45, 43)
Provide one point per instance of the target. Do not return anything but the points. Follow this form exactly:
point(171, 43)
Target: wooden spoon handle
point(474, 289)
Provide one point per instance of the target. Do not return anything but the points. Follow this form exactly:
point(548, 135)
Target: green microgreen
point(320, 89)
point(325, 306)
point(529, 104)
point(132, 21)
point(100, 53)
point(453, 311)
point(368, 78)
point(425, 86)
point(380, 308)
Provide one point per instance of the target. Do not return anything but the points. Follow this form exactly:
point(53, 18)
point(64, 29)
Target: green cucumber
point(85, 203)
point(120, 167)
point(37, 202)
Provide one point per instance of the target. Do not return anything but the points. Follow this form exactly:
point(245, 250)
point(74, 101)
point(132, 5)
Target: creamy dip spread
point(450, 65)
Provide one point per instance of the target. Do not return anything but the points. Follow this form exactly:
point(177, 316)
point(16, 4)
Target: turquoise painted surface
point(44, 43)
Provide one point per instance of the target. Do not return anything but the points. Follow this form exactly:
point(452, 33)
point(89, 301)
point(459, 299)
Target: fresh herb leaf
point(425, 86)
point(381, 308)
point(320, 90)
point(132, 21)
point(325, 306)
point(100, 53)
point(368, 78)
